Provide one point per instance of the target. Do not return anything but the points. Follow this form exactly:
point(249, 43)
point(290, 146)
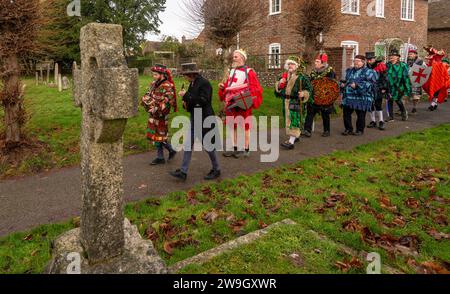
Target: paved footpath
point(55, 196)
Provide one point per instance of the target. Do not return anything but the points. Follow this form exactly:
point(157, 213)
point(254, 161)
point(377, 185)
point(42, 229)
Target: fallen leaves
point(151, 234)
point(438, 236)
point(238, 225)
point(429, 267)
point(346, 265)
point(352, 226)
point(170, 246)
point(210, 217)
point(412, 203)
point(385, 202)
point(405, 245)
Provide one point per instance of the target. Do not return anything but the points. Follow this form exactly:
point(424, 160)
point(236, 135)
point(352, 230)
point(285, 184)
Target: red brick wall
point(440, 39)
point(367, 30)
point(363, 29)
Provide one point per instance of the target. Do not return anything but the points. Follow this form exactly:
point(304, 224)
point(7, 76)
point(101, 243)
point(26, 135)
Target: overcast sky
point(173, 22)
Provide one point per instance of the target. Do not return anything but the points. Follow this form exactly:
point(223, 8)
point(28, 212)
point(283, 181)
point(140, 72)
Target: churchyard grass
point(55, 121)
point(395, 191)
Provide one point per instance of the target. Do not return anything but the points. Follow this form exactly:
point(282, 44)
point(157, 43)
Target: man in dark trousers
point(198, 96)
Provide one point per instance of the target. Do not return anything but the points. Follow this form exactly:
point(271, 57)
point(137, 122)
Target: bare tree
point(221, 20)
point(316, 17)
point(19, 24)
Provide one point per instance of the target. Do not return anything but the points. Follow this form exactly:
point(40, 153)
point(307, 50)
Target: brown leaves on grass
point(346, 265)
point(430, 267)
point(352, 226)
point(191, 198)
point(385, 202)
point(267, 182)
point(438, 236)
point(170, 246)
point(412, 203)
point(331, 201)
point(210, 217)
point(151, 234)
point(238, 225)
point(406, 245)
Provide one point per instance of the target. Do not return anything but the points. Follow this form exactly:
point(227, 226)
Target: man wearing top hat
point(198, 96)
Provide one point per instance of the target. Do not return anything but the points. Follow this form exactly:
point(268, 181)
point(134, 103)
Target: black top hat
point(370, 55)
point(189, 68)
point(394, 52)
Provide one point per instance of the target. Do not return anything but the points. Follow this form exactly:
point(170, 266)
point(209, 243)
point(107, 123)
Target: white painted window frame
point(354, 44)
point(272, 63)
point(271, 12)
point(379, 8)
point(344, 5)
point(405, 7)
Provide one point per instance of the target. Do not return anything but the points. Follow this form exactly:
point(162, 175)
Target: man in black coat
point(198, 97)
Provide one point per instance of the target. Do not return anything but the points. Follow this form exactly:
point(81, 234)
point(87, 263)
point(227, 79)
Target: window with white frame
point(275, 6)
point(379, 8)
point(350, 6)
point(275, 56)
point(407, 10)
point(351, 44)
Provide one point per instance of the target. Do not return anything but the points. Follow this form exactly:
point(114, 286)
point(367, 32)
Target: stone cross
point(107, 92)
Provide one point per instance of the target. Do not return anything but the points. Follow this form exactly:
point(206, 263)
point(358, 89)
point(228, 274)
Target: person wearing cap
point(244, 78)
point(295, 90)
point(358, 95)
point(197, 97)
point(413, 59)
point(399, 84)
point(322, 70)
point(159, 100)
point(380, 91)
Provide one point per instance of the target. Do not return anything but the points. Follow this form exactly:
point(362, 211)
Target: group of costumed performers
point(366, 84)
point(240, 94)
point(295, 90)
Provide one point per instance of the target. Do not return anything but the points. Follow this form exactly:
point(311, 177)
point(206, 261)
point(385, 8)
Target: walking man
point(198, 96)
point(399, 84)
point(380, 91)
point(358, 97)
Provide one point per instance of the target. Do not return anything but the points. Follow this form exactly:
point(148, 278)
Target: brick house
point(439, 24)
point(365, 25)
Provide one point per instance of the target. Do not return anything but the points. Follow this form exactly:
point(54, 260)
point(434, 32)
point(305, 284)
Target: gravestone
point(48, 73)
point(65, 83)
point(56, 72)
point(60, 83)
point(107, 92)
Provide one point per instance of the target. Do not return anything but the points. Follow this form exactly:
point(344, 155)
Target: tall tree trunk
point(12, 102)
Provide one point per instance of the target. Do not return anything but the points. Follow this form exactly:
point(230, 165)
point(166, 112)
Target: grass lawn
point(54, 120)
point(390, 197)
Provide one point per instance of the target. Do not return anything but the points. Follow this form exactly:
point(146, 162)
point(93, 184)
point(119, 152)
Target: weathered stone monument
point(65, 83)
point(60, 83)
point(107, 92)
point(56, 73)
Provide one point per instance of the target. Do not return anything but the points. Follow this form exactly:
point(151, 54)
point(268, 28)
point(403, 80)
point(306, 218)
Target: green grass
point(54, 120)
point(414, 165)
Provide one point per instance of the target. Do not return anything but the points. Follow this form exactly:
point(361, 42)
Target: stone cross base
point(139, 257)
